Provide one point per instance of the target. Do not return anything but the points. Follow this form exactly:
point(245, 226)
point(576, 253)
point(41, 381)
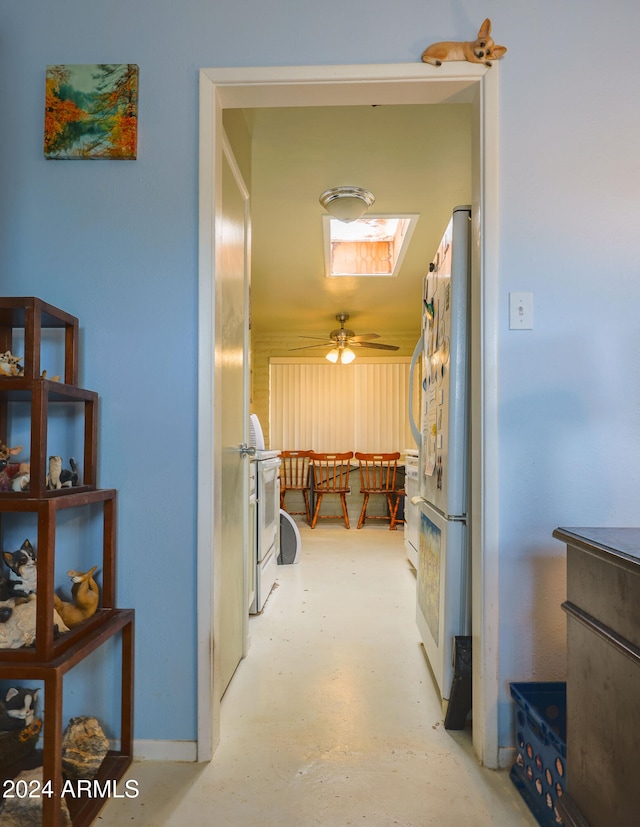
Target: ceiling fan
point(342, 341)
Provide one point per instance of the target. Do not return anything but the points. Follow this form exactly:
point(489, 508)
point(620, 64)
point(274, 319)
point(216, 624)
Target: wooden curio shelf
point(52, 672)
point(32, 398)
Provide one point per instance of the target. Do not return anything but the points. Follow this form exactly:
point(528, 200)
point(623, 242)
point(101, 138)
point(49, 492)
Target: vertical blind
point(324, 407)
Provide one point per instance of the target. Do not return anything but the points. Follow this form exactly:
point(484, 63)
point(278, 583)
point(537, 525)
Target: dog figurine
point(10, 364)
point(483, 50)
point(85, 596)
point(43, 375)
point(23, 570)
point(7, 470)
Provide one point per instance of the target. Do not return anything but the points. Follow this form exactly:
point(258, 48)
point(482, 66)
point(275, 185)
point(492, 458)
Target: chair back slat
point(378, 476)
point(331, 471)
point(294, 471)
point(378, 472)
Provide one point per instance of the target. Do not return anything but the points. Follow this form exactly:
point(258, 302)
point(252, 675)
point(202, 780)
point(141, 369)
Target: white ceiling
point(414, 158)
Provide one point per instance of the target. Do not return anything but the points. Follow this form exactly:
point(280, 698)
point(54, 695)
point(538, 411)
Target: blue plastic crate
point(539, 771)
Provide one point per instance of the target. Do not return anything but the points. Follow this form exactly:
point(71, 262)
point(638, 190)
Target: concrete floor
point(333, 718)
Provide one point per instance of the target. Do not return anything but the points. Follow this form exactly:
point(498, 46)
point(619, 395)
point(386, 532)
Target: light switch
point(521, 311)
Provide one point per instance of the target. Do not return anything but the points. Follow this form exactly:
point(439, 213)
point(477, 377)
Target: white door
point(231, 407)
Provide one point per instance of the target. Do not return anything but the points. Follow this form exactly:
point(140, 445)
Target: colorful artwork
point(429, 575)
point(91, 111)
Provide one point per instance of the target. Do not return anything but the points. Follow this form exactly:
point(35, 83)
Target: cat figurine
point(70, 478)
point(23, 571)
point(17, 710)
point(55, 469)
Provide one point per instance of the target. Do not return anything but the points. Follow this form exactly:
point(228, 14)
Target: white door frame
point(362, 85)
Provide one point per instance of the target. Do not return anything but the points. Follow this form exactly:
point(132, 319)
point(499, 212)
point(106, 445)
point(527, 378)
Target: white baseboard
point(506, 757)
point(187, 751)
point(164, 750)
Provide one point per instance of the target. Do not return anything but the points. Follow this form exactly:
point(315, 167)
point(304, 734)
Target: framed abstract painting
point(91, 111)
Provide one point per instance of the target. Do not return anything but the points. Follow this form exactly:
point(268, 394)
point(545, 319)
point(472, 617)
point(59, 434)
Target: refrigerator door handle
point(414, 359)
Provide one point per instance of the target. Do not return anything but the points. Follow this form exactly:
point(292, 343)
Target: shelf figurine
point(70, 478)
point(18, 599)
point(18, 622)
point(43, 375)
point(86, 596)
point(18, 708)
point(19, 731)
point(10, 470)
point(59, 477)
point(23, 570)
point(55, 469)
point(482, 50)
point(10, 364)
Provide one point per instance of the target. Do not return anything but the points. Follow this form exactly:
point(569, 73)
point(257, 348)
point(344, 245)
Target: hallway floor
point(332, 719)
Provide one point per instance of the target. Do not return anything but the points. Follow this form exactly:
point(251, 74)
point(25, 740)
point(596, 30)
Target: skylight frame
point(327, 221)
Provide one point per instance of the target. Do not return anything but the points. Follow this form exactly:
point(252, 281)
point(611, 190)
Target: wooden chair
point(294, 476)
point(378, 476)
point(394, 516)
point(330, 476)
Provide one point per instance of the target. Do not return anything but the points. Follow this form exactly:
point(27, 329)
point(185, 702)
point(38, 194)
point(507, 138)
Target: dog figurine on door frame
point(483, 50)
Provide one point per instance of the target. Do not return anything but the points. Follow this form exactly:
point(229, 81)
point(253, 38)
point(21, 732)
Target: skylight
point(371, 246)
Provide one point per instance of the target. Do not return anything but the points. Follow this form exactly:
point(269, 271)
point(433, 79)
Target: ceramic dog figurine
point(43, 375)
point(8, 469)
point(483, 50)
point(23, 570)
point(85, 598)
point(10, 364)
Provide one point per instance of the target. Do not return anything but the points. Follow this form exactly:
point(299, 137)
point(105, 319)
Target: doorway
point(358, 85)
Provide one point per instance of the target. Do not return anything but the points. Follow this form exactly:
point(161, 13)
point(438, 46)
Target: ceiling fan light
point(347, 356)
point(347, 203)
point(333, 355)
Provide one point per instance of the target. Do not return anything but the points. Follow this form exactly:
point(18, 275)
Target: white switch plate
point(520, 311)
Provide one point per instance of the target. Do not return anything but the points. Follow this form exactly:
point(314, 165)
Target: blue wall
point(115, 243)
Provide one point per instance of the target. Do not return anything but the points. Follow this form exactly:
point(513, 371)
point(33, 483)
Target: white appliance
point(443, 610)
point(411, 509)
point(267, 465)
point(266, 468)
point(251, 556)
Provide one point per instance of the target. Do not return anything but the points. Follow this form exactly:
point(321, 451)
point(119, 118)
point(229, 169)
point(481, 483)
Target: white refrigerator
point(443, 581)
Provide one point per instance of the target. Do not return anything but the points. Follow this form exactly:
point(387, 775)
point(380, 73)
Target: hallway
point(332, 719)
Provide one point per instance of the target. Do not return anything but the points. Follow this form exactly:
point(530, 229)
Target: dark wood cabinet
point(603, 676)
point(35, 398)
